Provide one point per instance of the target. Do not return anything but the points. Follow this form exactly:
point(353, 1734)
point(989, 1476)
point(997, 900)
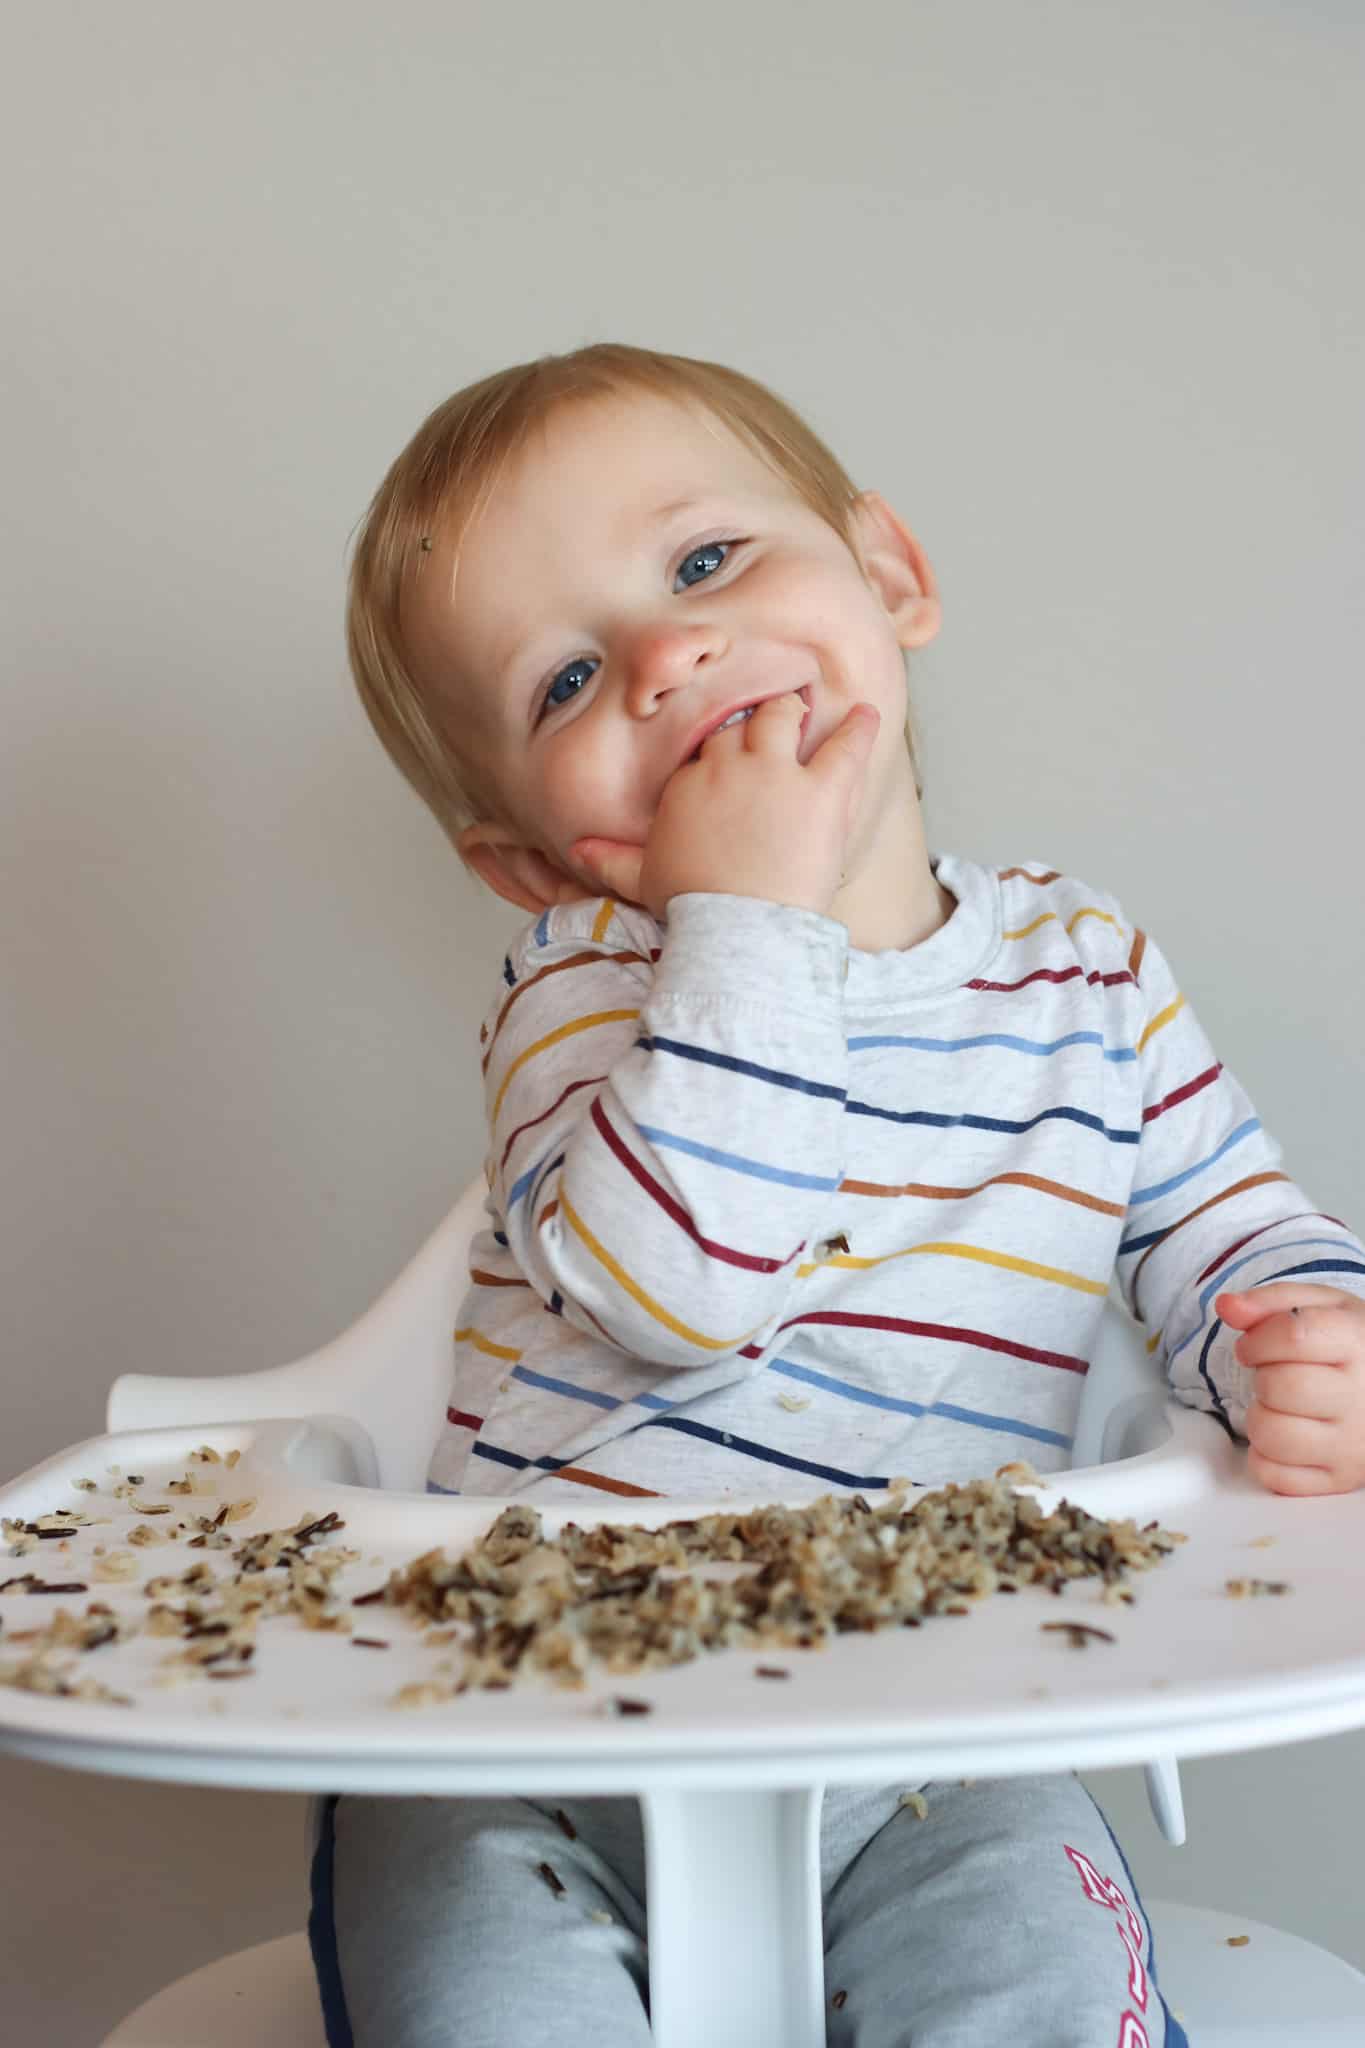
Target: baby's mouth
point(746, 712)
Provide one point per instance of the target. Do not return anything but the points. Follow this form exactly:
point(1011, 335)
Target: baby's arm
point(1213, 1218)
point(666, 1138)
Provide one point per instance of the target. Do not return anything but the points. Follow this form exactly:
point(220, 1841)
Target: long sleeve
point(666, 1116)
point(1211, 1207)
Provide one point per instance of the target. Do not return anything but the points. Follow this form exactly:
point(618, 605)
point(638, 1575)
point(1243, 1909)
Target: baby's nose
point(668, 658)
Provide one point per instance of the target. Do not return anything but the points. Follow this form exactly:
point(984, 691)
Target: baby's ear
point(898, 569)
point(518, 873)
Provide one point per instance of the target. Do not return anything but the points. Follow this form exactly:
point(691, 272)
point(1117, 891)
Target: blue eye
point(551, 696)
point(713, 547)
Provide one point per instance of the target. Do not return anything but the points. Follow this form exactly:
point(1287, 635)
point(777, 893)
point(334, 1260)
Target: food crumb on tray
point(615, 1599)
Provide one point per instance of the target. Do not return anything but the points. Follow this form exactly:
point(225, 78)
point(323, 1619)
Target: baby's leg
point(1006, 1914)
point(433, 1925)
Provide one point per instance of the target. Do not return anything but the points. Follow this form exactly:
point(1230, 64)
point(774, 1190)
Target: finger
point(1245, 1310)
point(1319, 1391)
point(844, 755)
point(775, 726)
point(1291, 1439)
point(611, 865)
point(1315, 1336)
point(1292, 1479)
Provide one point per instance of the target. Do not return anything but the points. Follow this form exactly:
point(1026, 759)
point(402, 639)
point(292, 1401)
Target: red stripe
point(1057, 974)
point(949, 1332)
point(531, 1122)
point(1183, 1094)
point(749, 1260)
point(458, 1416)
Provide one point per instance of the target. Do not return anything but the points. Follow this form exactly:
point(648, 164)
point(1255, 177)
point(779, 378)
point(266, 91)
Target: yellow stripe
point(553, 1038)
point(1051, 917)
point(603, 919)
point(1161, 1020)
point(481, 1343)
point(637, 1293)
point(1091, 911)
point(1057, 1274)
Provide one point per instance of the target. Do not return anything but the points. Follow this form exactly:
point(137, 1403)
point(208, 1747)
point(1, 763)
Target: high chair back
point(390, 1371)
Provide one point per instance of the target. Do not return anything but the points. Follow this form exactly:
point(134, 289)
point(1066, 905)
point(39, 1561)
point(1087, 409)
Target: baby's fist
point(1306, 1346)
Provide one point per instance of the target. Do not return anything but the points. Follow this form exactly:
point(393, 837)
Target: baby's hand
point(747, 818)
point(1306, 1344)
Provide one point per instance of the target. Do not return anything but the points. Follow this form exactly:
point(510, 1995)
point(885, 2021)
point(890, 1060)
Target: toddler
point(812, 1155)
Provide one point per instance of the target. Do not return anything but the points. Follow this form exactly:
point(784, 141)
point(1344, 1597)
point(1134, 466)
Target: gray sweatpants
point(1007, 1914)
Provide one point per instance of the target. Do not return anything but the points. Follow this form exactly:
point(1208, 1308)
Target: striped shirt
point(770, 1216)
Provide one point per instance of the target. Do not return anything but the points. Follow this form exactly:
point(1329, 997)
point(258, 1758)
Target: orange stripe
point(930, 1193)
point(606, 1485)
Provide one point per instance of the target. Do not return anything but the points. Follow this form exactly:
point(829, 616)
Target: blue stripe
point(730, 1442)
point(543, 929)
point(1043, 1048)
point(1007, 1425)
point(707, 1058)
point(1008, 1125)
point(533, 1173)
point(1176, 2037)
point(727, 1440)
point(1004, 1424)
point(541, 1379)
point(1166, 1187)
point(512, 1458)
point(322, 1930)
point(669, 1141)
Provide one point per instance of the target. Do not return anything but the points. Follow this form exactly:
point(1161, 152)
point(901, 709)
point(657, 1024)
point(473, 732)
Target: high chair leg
point(1163, 1791)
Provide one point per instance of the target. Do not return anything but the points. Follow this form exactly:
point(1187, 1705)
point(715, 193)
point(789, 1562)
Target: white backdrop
point(1077, 286)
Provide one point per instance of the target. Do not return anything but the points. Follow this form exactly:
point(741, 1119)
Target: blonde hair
point(445, 475)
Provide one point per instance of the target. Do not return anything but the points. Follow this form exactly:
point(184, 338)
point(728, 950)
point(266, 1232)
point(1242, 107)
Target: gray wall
point(1077, 286)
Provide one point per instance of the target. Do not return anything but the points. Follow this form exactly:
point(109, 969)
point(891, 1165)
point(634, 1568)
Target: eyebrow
point(658, 517)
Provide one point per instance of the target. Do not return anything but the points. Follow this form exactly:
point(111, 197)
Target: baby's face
point(635, 575)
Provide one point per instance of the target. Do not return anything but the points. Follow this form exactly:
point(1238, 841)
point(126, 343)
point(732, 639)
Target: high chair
point(390, 1374)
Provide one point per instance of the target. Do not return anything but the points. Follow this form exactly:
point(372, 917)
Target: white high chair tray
point(1192, 1671)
